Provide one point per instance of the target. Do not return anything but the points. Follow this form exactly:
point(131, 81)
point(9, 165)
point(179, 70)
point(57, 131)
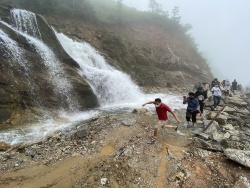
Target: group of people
point(195, 103)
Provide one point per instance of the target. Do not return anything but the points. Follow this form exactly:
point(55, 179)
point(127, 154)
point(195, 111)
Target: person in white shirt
point(217, 93)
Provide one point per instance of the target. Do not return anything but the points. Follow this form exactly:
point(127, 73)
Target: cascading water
point(26, 22)
point(111, 86)
point(15, 52)
point(62, 86)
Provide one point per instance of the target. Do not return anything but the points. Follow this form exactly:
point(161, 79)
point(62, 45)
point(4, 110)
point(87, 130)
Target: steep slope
point(35, 70)
point(152, 56)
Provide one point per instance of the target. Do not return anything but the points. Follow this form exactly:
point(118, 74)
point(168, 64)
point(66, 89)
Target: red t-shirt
point(162, 111)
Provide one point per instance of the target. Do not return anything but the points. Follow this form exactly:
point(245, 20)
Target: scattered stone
point(242, 183)
point(128, 122)
point(199, 133)
point(4, 146)
point(228, 127)
point(239, 156)
point(139, 111)
point(104, 181)
point(229, 110)
point(82, 131)
point(221, 119)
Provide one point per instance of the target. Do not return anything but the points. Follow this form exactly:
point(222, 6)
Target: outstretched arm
point(178, 121)
point(151, 102)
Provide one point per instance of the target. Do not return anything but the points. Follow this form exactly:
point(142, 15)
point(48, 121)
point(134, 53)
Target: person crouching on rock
point(161, 110)
point(192, 108)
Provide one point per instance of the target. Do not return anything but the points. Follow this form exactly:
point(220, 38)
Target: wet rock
point(139, 111)
point(82, 131)
point(237, 101)
point(239, 156)
point(217, 136)
point(128, 122)
point(243, 182)
point(228, 127)
point(201, 135)
point(221, 119)
point(213, 127)
point(4, 146)
point(229, 110)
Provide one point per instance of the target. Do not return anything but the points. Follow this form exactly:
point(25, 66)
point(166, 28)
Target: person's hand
point(177, 120)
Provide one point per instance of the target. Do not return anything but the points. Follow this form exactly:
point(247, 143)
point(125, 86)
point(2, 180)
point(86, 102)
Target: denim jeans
point(216, 101)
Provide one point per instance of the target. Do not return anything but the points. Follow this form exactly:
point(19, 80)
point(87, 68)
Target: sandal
point(189, 126)
point(176, 128)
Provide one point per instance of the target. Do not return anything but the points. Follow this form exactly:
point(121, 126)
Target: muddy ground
point(117, 153)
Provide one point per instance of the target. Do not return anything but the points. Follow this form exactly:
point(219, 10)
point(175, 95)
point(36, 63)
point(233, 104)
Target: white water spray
point(62, 87)
point(26, 22)
point(111, 86)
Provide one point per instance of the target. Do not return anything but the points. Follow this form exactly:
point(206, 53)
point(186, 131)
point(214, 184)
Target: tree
point(119, 3)
point(175, 15)
point(156, 8)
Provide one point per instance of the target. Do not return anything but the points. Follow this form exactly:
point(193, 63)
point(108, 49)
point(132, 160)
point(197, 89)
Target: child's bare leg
point(170, 126)
point(155, 132)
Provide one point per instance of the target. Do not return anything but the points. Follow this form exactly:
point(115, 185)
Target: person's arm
point(151, 102)
point(185, 100)
point(177, 120)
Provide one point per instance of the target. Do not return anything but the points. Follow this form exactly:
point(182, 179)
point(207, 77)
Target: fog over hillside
point(221, 30)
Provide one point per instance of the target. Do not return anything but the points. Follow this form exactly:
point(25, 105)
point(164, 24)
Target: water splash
point(26, 22)
point(56, 76)
point(110, 86)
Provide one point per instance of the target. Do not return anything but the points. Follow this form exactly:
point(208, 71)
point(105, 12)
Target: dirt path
point(121, 157)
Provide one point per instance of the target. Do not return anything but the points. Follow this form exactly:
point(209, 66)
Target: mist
point(221, 30)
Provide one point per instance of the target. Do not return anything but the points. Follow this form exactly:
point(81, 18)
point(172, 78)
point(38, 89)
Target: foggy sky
point(222, 30)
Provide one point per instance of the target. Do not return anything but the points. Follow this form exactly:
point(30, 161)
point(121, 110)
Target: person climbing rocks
point(161, 110)
point(234, 85)
point(192, 108)
point(217, 93)
point(227, 87)
point(201, 95)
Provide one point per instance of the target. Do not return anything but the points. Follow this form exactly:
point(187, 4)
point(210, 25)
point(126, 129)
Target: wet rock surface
point(111, 154)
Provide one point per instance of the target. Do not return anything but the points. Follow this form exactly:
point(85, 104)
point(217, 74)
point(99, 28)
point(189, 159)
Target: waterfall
point(11, 49)
point(62, 87)
point(111, 86)
point(26, 22)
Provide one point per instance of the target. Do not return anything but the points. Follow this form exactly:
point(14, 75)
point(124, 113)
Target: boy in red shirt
point(161, 110)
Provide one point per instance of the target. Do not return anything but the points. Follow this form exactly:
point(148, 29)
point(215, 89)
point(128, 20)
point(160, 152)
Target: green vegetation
point(106, 12)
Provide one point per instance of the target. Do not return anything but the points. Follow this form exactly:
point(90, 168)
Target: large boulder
point(229, 110)
point(82, 131)
point(239, 156)
point(237, 101)
point(28, 84)
point(221, 119)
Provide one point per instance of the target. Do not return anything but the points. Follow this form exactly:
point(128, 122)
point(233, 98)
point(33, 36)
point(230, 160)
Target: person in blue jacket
point(192, 108)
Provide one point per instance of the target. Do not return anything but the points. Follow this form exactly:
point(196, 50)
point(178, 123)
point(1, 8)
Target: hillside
point(152, 47)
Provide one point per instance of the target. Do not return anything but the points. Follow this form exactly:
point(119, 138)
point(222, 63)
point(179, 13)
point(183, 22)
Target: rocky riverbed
point(113, 150)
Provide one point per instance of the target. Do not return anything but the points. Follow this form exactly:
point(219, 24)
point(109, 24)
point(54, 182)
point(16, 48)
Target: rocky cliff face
point(151, 55)
point(36, 72)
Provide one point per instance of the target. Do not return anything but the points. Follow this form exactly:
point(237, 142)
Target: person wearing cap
point(192, 108)
point(201, 95)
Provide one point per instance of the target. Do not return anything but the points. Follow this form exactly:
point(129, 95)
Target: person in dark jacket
point(201, 95)
point(234, 85)
point(192, 108)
